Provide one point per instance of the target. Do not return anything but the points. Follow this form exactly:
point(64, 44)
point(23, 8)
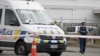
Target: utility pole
point(61, 22)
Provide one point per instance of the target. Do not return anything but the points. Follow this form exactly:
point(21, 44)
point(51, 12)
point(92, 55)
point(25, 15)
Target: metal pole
point(61, 22)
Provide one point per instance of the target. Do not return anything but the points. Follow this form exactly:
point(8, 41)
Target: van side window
point(0, 14)
point(70, 29)
point(9, 15)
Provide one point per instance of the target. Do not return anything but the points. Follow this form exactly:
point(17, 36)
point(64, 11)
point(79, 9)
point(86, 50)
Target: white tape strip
point(54, 35)
point(73, 36)
point(33, 46)
point(11, 36)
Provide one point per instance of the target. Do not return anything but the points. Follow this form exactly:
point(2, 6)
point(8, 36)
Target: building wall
point(72, 11)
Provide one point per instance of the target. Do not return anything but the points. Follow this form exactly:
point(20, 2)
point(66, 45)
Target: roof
point(16, 4)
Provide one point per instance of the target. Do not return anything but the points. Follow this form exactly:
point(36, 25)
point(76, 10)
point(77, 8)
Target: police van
point(20, 20)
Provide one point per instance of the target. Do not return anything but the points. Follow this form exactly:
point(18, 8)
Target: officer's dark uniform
point(82, 31)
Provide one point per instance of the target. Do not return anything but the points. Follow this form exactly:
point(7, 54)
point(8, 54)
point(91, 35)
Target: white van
point(20, 17)
point(72, 30)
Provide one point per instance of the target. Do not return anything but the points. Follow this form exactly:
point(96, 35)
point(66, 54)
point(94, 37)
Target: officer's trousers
point(82, 42)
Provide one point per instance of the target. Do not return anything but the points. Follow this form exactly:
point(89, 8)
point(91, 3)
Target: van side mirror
point(14, 22)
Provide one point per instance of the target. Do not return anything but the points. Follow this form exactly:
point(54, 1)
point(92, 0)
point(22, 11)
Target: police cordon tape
point(72, 36)
point(9, 36)
point(55, 35)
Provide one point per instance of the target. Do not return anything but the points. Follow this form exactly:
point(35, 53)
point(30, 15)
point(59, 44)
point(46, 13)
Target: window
point(34, 16)
point(70, 29)
point(9, 15)
point(0, 14)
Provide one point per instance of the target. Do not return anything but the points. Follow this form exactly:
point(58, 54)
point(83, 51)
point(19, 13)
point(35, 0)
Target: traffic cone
point(34, 51)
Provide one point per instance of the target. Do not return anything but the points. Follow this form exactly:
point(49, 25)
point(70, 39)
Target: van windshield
point(34, 16)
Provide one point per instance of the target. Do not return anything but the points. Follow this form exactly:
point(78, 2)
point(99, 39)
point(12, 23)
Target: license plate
point(54, 46)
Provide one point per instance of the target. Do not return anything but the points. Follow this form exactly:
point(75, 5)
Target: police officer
point(82, 31)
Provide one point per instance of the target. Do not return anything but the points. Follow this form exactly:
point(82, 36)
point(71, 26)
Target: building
point(73, 11)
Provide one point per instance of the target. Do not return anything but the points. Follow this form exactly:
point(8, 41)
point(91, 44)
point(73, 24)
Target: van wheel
point(55, 53)
point(1, 51)
point(20, 49)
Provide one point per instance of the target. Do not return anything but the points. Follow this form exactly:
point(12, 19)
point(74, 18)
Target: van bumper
point(48, 48)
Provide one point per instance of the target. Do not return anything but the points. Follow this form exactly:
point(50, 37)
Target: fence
point(63, 23)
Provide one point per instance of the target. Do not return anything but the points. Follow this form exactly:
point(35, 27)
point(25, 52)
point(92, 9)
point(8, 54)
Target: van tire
point(20, 49)
point(55, 53)
point(1, 51)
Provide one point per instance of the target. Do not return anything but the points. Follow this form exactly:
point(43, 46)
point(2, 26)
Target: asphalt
point(71, 51)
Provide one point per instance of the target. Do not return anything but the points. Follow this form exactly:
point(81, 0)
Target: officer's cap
point(83, 23)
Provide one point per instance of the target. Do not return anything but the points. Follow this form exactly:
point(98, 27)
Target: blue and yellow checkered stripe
point(49, 31)
point(41, 41)
point(17, 34)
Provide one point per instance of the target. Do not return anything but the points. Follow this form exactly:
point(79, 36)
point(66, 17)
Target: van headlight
point(32, 34)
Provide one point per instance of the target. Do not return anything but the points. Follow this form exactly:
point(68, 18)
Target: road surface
point(71, 51)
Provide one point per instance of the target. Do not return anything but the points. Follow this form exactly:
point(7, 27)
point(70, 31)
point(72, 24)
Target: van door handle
point(4, 28)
